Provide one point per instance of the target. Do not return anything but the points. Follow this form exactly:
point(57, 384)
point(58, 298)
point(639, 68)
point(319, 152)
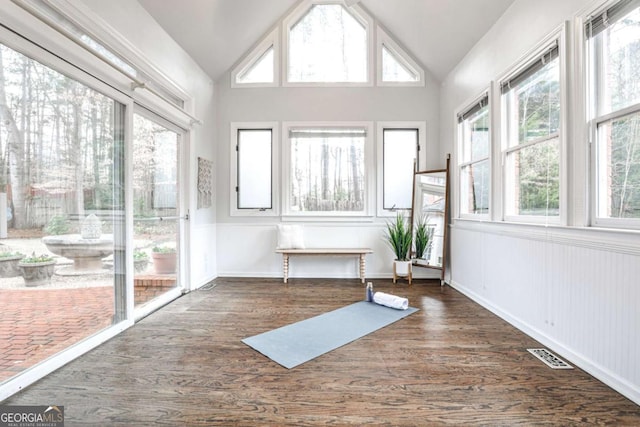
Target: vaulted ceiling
point(216, 33)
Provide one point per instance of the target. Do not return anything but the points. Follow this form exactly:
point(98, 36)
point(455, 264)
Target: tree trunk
point(325, 172)
point(357, 199)
point(96, 156)
point(629, 160)
point(76, 144)
point(15, 144)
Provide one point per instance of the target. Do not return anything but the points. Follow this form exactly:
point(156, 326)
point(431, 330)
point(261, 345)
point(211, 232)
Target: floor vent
point(550, 359)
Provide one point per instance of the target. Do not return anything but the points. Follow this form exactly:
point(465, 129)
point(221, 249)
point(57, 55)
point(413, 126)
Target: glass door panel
point(61, 212)
point(156, 210)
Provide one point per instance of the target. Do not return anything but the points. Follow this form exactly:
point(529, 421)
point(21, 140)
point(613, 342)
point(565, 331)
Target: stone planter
point(164, 263)
point(9, 266)
point(140, 265)
point(37, 273)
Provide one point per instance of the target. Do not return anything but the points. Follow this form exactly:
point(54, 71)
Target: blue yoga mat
point(300, 342)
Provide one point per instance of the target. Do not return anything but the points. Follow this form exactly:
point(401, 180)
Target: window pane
point(534, 179)
point(254, 169)
point(475, 144)
point(536, 104)
point(328, 45)
point(474, 183)
point(62, 156)
point(619, 168)
point(621, 64)
point(400, 150)
point(156, 207)
point(393, 70)
point(261, 71)
point(327, 171)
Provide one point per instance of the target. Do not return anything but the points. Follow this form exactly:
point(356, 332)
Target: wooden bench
point(359, 252)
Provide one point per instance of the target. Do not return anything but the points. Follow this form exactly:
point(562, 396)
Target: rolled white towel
point(392, 301)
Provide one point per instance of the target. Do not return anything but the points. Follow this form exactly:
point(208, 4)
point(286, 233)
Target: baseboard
point(272, 275)
point(202, 283)
point(614, 381)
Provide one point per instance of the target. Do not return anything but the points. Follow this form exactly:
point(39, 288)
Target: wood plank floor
point(452, 362)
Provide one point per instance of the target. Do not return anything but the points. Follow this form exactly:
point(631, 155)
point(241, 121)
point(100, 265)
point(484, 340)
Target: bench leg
point(363, 267)
point(285, 267)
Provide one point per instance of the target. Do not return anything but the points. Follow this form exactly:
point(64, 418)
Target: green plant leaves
point(398, 236)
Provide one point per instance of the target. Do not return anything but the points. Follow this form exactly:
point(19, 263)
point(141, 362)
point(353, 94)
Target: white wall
point(572, 288)
point(246, 245)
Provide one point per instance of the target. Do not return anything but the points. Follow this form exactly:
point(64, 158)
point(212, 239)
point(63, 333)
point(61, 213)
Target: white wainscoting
point(248, 250)
point(577, 292)
point(203, 264)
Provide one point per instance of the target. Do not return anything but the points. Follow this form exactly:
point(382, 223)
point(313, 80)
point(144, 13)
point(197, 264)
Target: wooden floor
point(450, 363)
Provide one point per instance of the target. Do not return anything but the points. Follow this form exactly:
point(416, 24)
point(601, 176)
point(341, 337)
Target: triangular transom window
point(260, 66)
point(260, 71)
point(393, 70)
point(395, 65)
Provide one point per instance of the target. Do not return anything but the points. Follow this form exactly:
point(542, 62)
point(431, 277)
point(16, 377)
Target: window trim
point(557, 37)
point(401, 55)
point(369, 170)
point(300, 11)
point(253, 57)
point(460, 120)
point(233, 169)
point(421, 127)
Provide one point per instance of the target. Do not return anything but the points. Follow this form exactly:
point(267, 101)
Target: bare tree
point(16, 154)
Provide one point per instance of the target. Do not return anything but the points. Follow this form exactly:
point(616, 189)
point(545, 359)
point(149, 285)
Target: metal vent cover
point(550, 359)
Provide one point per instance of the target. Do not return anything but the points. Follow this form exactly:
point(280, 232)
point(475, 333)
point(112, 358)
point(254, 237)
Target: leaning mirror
point(430, 218)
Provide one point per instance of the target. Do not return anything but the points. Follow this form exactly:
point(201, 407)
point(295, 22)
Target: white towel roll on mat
point(392, 301)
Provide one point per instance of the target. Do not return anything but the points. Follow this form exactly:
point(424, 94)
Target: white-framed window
point(532, 136)
point(327, 43)
point(254, 165)
point(399, 147)
point(395, 67)
point(474, 158)
point(327, 169)
point(613, 42)
point(260, 68)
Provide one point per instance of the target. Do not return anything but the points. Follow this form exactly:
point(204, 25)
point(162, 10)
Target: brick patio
point(38, 323)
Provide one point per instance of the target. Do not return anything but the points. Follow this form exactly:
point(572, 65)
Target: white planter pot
point(402, 268)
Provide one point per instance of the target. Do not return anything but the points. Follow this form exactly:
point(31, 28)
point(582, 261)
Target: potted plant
point(421, 238)
point(398, 235)
point(140, 260)
point(9, 263)
point(37, 269)
point(164, 259)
